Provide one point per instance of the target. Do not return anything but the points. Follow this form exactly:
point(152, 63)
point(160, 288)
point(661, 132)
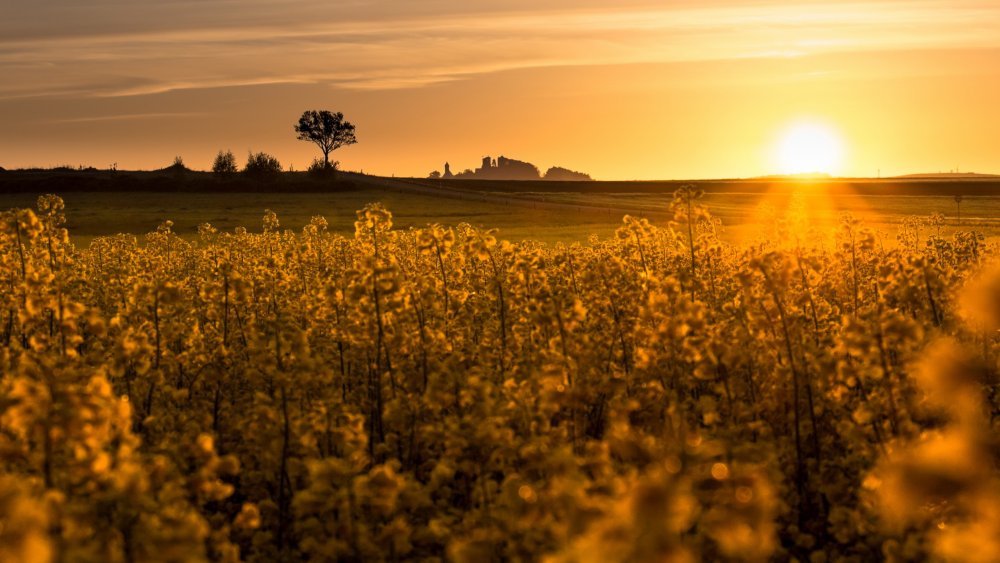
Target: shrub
point(319, 167)
point(225, 163)
point(262, 164)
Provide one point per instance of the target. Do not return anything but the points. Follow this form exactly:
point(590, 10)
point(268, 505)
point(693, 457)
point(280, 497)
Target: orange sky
point(643, 90)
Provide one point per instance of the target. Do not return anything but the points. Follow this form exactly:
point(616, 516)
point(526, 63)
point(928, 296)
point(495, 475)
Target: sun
point(809, 147)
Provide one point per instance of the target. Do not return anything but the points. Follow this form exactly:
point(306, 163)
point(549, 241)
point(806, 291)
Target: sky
point(626, 90)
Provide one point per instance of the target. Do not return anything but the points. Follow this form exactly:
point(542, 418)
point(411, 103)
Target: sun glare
point(809, 148)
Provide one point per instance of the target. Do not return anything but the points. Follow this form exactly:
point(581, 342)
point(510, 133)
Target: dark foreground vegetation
point(438, 394)
point(318, 179)
point(174, 179)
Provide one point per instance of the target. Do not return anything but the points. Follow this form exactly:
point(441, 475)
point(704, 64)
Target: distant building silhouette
point(486, 167)
point(503, 168)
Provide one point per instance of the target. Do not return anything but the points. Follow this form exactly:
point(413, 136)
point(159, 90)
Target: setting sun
point(809, 148)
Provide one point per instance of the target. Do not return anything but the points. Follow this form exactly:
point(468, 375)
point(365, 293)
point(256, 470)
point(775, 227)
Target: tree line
point(329, 131)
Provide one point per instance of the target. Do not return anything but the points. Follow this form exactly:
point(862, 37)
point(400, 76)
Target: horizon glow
point(635, 91)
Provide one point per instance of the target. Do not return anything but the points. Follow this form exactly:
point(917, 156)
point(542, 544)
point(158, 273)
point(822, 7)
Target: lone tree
point(958, 203)
point(329, 131)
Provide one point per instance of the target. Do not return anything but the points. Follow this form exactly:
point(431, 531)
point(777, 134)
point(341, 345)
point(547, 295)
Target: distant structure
point(503, 168)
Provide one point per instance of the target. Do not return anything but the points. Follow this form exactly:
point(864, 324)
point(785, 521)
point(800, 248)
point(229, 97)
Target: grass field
point(101, 213)
point(548, 212)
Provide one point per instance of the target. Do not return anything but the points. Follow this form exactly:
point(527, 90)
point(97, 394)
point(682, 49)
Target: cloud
point(118, 48)
point(127, 117)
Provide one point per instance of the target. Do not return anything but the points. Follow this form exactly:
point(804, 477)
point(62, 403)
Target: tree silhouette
point(262, 164)
point(958, 203)
point(329, 131)
point(225, 163)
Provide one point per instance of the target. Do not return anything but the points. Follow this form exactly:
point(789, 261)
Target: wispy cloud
point(394, 45)
point(127, 117)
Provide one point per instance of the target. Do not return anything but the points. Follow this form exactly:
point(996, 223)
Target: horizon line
point(809, 177)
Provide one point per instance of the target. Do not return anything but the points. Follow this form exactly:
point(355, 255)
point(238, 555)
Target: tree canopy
point(262, 164)
point(225, 163)
point(327, 130)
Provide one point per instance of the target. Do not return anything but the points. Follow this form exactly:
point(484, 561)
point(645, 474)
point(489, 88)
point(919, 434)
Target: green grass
point(102, 213)
point(549, 217)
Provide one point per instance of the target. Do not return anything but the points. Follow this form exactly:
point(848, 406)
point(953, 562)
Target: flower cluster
point(439, 394)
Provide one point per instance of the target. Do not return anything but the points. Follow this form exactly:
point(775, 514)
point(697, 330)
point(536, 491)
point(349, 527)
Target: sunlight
point(809, 147)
